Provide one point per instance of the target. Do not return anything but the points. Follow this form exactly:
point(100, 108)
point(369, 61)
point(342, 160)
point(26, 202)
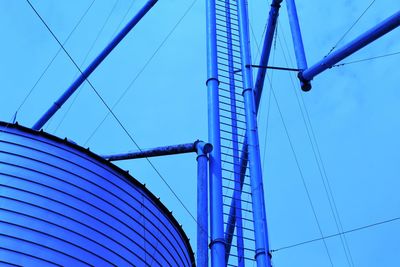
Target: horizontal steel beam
point(162, 151)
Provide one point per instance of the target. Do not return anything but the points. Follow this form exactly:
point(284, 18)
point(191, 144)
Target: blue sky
point(353, 111)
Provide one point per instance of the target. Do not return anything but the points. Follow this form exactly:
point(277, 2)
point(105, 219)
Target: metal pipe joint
point(202, 148)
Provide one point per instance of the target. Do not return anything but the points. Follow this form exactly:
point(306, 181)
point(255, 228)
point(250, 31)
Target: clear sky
point(160, 72)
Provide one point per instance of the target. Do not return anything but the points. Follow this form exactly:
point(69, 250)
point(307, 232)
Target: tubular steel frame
point(249, 154)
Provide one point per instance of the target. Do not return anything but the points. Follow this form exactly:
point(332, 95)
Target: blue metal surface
point(157, 151)
point(297, 40)
point(96, 62)
point(202, 202)
point(235, 215)
point(242, 162)
point(269, 36)
point(232, 131)
point(217, 244)
point(202, 149)
point(63, 205)
point(230, 227)
point(364, 39)
point(257, 189)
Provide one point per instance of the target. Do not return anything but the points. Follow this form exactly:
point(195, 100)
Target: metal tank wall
point(63, 205)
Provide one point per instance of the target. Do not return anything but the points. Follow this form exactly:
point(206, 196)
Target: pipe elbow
point(202, 147)
point(305, 84)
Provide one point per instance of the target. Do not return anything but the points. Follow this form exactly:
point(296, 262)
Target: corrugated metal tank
point(63, 205)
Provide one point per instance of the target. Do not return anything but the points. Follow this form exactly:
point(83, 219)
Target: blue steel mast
point(257, 189)
point(271, 26)
point(237, 203)
point(217, 243)
point(233, 102)
point(233, 133)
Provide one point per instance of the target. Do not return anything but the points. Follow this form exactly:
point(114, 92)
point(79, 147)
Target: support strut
point(96, 62)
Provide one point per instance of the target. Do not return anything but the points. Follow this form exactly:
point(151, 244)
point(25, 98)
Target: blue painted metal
point(269, 36)
point(257, 189)
point(63, 205)
point(158, 151)
point(232, 128)
point(233, 215)
point(203, 149)
point(364, 39)
point(229, 233)
point(96, 62)
point(239, 225)
point(242, 163)
point(297, 40)
point(217, 244)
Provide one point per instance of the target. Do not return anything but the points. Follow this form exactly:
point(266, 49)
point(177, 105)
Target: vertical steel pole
point(297, 40)
point(257, 189)
point(269, 35)
point(96, 62)
point(202, 150)
point(217, 243)
point(235, 152)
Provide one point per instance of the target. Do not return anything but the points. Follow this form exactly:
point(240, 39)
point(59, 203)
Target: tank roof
point(118, 170)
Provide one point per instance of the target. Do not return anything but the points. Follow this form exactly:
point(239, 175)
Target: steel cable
point(337, 234)
point(141, 70)
point(54, 57)
point(351, 27)
point(318, 159)
point(113, 114)
point(83, 63)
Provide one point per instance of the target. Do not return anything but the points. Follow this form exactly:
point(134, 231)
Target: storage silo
point(63, 205)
